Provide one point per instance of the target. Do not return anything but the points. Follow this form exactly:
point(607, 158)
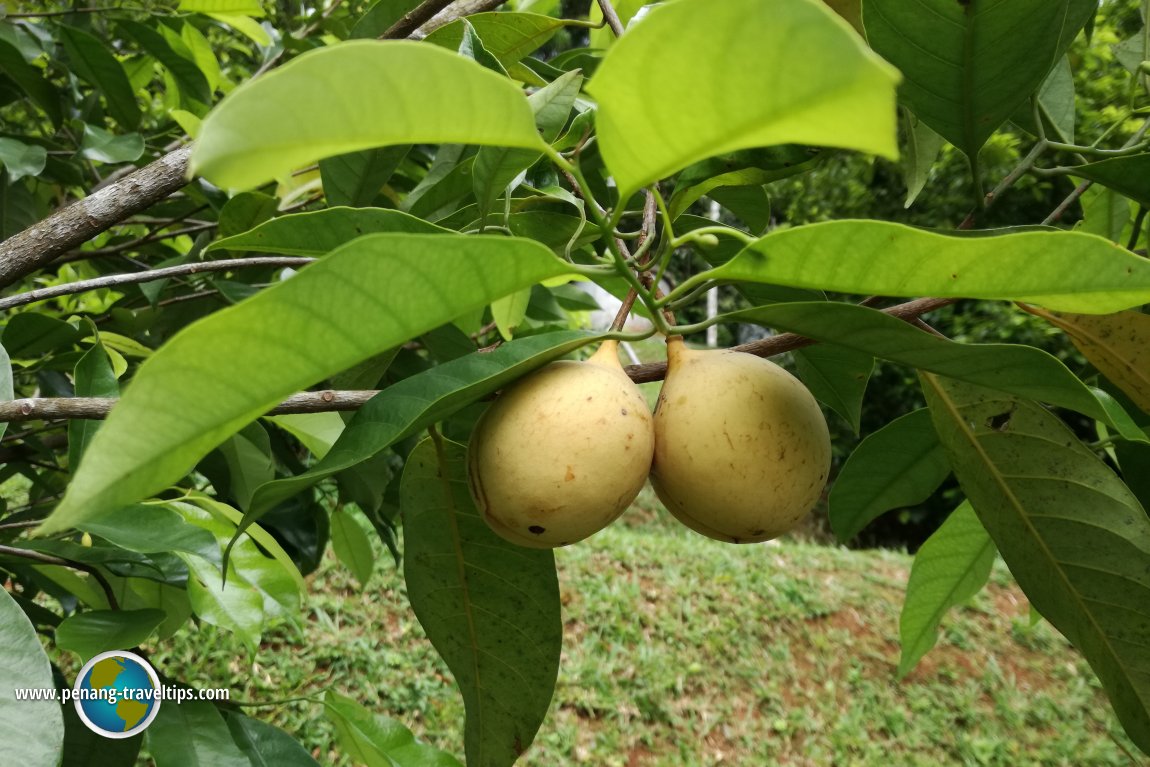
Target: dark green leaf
point(32, 731)
point(380, 17)
point(187, 75)
point(1055, 105)
point(192, 734)
point(1021, 370)
point(491, 608)
point(950, 568)
point(899, 465)
point(91, 60)
point(1075, 538)
point(244, 212)
point(837, 376)
point(31, 80)
point(83, 747)
point(416, 402)
point(29, 334)
point(93, 377)
point(355, 179)
point(1129, 176)
point(967, 66)
point(149, 529)
point(351, 544)
point(90, 633)
point(266, 745)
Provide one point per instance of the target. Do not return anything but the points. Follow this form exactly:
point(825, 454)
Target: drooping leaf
point(234, 606)
point(184, 71)
point(491, 608)
point(91, 60)
point(1075, 538)
point(899, 465)
point(84, 747)
point(317, 233)
point(31, 80)
point(351, 544)
point(309, 109)
point(93, 377)
point(21, 159)
point(32, 731)
point(696, 106)
point(192, 734)
point(922, 148)
point(1021, 370)
point(377, 741)
point(95, 631)
point(227, 369)
point(969, 65)
point(950, 568)
point(421, 400)
point(1117, 344)
point(1129, 176)
point(837, 376)
point(1080, 272)
point(266, 745)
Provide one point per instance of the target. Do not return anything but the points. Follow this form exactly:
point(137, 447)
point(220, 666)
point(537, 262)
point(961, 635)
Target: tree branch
point(25, 252)
point(131, 278)
point(454, 12)
point(39, 409)
point(414, 19)
point(48, 559)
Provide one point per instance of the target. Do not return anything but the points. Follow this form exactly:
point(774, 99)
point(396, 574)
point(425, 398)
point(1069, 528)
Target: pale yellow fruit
point(742, 450)
point(561, 453)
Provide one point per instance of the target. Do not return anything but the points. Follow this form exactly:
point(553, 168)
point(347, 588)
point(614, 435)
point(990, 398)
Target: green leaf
point(22, 159)
point(32, 731)
point(351, 544)
point(1105, 213)
point(192, 734)
point(236, 606)
point(30, 79)
point(660, 113)
point(509, 311)
point(29, 334)
point(491, 608)
point(950, 568)
point(102, 146)
point(90, 60)
point(95, 631)
point(226, 520)
point(967, 66)
point(377, 741)
point(240, 7)
point(83, 747)
point(355, 179)
point(416, 402)
point(7, 394)
point(249, 460)
point(1055, 105)
point(266, 745)
point(319, 232)
point(309, 109)
point(93, 377)
point(149, 529)
point(1075, 538)
point(1129, 176)
point(837, 376)
point(899, 465)
point(380, 17)
point(246, 211)
point(316, 431)
point(748, 167)
point(212, 378)
point(1021, 370)
point(507, 36)
point(923, 146)
point(1080, 272)
point(184, 71)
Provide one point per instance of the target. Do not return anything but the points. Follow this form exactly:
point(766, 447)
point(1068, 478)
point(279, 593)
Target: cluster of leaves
point(367, 214)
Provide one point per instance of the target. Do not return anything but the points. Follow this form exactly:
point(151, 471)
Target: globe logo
point(117, 694)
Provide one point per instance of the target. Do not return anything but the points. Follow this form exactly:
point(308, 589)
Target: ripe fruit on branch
point(562, 452)
point(742, 450)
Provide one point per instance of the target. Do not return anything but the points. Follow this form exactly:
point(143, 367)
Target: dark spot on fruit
point(623, 411)
point(570, 475)
point(537, 530)
point(757, 533)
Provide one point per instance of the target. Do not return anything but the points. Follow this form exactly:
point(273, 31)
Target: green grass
point(680, 651)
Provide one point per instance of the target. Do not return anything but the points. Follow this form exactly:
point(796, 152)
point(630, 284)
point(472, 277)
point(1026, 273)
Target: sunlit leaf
point(309, 109)
point(1080, 272)
point(659, 113)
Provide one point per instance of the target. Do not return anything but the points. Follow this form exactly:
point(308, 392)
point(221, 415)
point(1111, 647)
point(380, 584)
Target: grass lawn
point(680, 651)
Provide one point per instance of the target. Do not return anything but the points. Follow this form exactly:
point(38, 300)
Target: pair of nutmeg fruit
point(737, 449)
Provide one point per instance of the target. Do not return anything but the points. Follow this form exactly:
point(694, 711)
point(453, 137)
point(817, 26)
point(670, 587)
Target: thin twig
point(113, 280)
point(48, 559)
point(1063, 206)
point(414, 19)
point(612, 17)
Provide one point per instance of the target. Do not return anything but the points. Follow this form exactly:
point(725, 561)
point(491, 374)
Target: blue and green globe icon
point(117, 694)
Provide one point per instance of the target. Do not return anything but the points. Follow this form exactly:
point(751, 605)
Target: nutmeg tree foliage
point(307, 241)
